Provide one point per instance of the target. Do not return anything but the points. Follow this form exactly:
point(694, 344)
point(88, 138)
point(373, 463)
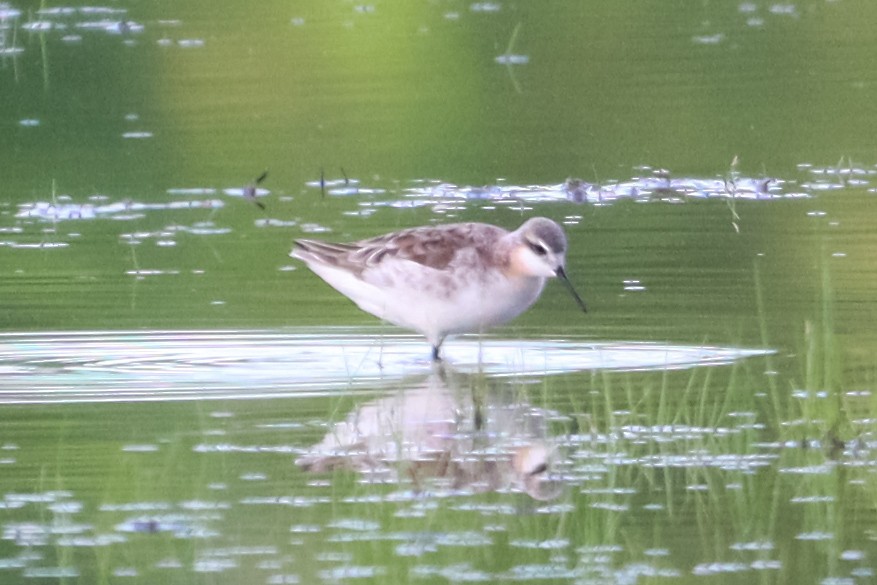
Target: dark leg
point(435, 349)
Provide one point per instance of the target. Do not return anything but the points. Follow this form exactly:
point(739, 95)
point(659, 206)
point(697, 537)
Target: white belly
point(435, 303)
point(469, 309)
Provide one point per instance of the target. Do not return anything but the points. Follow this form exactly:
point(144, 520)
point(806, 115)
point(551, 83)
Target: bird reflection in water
point(448, 433)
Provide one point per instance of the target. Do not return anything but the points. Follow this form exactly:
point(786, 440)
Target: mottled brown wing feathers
point(430, 247)
point(434, 247)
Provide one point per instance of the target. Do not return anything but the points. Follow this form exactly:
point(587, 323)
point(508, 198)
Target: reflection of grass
point(13, 47)
point(820, 406)
point(718, 512)
point(688, 398)
point(508, 53)
point(44, 51)
point(814, 407)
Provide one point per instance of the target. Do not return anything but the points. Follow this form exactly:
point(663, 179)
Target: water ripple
point(95, 366)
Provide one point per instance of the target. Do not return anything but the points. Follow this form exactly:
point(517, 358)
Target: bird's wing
point(432, 246)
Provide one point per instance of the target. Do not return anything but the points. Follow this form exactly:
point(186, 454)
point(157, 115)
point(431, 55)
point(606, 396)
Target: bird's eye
point(537, 248)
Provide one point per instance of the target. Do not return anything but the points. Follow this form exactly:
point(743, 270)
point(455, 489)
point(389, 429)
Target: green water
point(164, 364)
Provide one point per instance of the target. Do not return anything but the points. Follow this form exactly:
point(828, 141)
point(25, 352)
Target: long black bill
point(562, 276)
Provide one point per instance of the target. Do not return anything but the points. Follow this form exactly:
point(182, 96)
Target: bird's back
point(434, 247)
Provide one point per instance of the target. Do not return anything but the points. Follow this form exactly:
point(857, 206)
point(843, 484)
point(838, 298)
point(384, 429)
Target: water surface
point(182, 402)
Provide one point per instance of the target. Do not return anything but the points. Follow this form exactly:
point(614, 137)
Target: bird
point(445, 279)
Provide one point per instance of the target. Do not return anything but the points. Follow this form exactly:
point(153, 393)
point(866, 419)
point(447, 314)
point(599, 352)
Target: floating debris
point(251, 191)
point(512, 59)
point(51, 211)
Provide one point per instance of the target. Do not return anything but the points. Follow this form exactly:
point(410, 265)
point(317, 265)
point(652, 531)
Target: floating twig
point(250, 190)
